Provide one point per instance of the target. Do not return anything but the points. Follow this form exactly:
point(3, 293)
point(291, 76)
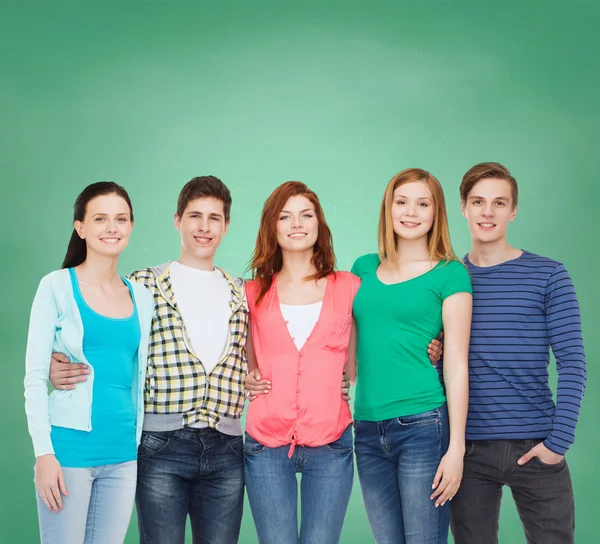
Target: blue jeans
point(327, 474)
point(397, 460)
point(195, 472)
point(97, 509)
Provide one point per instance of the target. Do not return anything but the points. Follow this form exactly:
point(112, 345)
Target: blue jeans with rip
point(397, 460)
point(97, 509)
point(327, 475)
point(195, 472)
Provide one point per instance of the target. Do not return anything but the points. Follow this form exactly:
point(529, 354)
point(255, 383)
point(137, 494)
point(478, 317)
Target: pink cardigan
point(305, 404)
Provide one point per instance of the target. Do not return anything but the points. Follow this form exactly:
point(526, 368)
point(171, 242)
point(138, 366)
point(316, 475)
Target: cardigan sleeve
point(40, 342)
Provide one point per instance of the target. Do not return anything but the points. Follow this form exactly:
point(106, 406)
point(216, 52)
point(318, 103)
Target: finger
point(437, 478)
point(72, 371)
point(43, 497)
point(441, 335)
point(446, 495)
point(62, 484)
point(439, 492)
point(57, 496)
point(526, 457)
point(346, 398)
point(256, 374)
point(51, 500)
point(257, 388)
point(60, 358)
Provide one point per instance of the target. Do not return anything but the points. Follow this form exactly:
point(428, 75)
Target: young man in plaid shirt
point(190, 460)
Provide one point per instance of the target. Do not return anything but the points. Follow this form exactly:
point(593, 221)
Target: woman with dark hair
point(85, 439)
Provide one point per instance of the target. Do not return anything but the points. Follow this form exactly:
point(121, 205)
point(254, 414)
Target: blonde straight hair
point(438, 237)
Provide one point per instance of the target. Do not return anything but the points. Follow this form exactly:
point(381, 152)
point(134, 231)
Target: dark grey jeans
point(543, 494)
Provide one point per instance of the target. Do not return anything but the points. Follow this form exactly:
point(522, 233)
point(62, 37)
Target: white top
point(203, 299)
point(300, 320)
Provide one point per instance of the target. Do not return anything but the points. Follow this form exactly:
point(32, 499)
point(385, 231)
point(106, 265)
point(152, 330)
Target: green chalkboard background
point(341, 95)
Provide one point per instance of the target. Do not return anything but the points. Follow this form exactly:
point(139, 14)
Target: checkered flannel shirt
point(176, 382)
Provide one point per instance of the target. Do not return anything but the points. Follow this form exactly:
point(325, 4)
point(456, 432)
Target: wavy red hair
point(267, 258)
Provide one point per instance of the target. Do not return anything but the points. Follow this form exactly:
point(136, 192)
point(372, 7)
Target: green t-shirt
point(395, 324)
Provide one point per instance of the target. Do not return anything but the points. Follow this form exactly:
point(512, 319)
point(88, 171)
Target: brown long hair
point(438, 237)
point(267, 258)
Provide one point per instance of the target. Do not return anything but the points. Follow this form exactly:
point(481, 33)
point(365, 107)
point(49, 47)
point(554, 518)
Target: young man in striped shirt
point(523, 304)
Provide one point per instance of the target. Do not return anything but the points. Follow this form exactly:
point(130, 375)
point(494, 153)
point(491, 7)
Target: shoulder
point(454, 278)
point(56, 280)
point(251, 287)
point(534, 260)
point(452, 269)
point(141, 293)
point(346, 278)
point(366, 263)
point(236, 281)
point(148, 276)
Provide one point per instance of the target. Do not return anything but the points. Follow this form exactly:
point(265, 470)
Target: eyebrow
point(216, 214)
point(302, 211)
point(483, 198)
point(102, 213)
point(420, 198)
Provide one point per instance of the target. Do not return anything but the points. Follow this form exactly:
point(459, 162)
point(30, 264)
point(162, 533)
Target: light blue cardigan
point(55, 325)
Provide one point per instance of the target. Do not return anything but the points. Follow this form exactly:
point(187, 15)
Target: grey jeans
point(543, 494)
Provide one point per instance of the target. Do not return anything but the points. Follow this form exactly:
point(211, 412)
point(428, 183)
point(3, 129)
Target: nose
point(111, 226)
point(411, 209)
point(488, 210)
point(297, 222)
point(204, 225)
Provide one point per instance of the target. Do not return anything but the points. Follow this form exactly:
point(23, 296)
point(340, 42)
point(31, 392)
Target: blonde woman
point(409, 432)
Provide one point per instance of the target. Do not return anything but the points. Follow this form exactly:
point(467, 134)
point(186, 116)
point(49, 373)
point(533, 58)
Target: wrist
point(457, 447)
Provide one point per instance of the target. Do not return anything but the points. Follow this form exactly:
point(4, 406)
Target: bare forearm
point(456, 379)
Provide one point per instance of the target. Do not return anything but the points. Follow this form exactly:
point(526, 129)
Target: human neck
point(198, 263)
point(296, 267)
point(98, 270)
point(491, 254)
point(412, 250)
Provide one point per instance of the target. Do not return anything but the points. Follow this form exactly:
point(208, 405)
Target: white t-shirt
point(300, 320)
point(203, 299)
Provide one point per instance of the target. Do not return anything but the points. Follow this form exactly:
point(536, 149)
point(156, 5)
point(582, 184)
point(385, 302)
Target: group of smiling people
point(150, 375)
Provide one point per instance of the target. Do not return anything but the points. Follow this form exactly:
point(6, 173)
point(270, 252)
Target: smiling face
point(489, 209)
point(106, 225)
point(413, 210)
point(297, 226)
point(201, 226)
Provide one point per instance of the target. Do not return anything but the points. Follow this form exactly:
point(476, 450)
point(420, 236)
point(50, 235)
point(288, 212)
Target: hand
point(50, 482)
point(448, 477)
point(435, 349)
point(546, 456)
point(64, 374)
point(255, 385)
point(345, 387)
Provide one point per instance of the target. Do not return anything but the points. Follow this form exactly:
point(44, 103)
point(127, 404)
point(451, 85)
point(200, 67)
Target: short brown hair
point(487, 170)
point(204, 187)
point(267, 258)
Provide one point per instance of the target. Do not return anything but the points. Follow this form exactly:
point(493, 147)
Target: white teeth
point(297, 235)
point(487, 224)
point(110, 240)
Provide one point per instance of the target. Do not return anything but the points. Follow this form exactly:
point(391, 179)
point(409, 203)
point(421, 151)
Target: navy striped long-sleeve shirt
point(521, 309)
